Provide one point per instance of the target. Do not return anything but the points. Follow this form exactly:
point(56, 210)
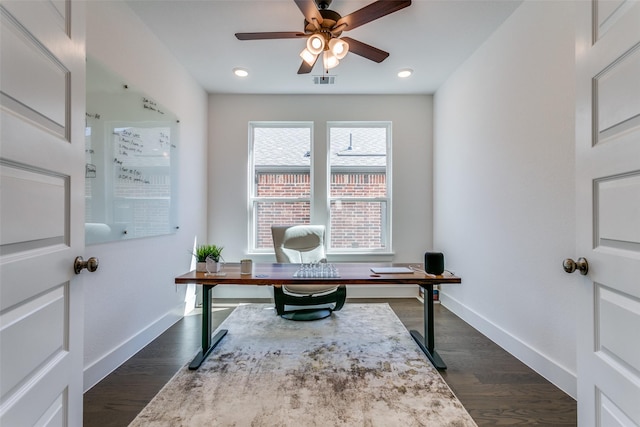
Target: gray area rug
point(359, 367)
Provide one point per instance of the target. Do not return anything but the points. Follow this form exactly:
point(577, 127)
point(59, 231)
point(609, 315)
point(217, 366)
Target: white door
point(42, 113)
point(608, 211)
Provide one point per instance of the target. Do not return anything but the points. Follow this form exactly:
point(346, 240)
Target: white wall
point(131, 298)
point(504, 188)
point(229, 116)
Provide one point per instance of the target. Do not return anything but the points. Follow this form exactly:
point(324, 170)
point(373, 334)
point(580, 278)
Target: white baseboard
point(355, 291)
point(554, 373)
point(98, 370)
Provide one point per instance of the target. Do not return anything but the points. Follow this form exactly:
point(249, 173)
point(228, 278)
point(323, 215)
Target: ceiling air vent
point(324, 80)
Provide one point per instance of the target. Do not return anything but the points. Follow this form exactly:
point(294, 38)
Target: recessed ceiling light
point(403, 74)
point(240, 72)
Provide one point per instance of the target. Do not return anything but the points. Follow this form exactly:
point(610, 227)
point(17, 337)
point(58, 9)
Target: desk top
point(282, 274)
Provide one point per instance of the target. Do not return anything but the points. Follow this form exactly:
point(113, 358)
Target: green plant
point(204, 251)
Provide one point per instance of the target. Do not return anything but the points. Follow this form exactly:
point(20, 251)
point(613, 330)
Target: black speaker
point(434, 263)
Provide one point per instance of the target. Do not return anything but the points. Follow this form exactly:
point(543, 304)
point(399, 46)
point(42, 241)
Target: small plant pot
point(201, 267)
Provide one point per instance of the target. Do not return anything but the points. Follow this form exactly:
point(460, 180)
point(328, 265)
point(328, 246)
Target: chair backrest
point(298, 243)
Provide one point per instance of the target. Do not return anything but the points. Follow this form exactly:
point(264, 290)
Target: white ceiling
point(432, 37)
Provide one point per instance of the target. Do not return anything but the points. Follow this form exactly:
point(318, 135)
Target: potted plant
point(208, 251)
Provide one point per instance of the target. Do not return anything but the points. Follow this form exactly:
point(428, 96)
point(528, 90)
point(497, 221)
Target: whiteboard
point(131, 146)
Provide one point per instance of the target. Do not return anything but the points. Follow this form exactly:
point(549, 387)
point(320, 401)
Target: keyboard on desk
point(317, 271)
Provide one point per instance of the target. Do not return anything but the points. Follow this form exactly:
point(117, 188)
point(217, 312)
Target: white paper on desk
point(391, 270)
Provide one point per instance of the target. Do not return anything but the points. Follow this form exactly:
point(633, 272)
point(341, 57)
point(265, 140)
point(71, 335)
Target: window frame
point(253, 200)
point(387, 221)
point(320, 198)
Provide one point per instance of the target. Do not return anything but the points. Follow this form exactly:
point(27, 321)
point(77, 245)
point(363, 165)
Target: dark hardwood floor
point(494, 387)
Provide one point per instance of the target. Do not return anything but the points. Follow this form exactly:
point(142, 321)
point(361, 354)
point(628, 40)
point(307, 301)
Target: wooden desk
point(350, 274)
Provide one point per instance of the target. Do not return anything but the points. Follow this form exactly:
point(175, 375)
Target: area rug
point(358, 367)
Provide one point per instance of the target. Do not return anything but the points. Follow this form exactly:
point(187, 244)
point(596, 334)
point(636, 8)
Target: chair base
point(307, 314)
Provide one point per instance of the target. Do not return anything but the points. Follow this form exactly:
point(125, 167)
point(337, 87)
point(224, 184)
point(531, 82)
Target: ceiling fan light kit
point(339, 48)
point(323, 28)
point(315, 44)
point(308, 57)
point(329, 60)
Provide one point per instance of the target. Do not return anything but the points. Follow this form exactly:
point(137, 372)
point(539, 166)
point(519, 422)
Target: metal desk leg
point(208, 343)
point(427, 344)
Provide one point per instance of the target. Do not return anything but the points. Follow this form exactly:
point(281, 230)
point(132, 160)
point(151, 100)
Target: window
point(355, 203)
point(359, 187)
point(281, 179)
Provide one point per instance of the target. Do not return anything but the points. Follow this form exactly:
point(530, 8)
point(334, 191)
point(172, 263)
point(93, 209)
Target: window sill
point(333, 256)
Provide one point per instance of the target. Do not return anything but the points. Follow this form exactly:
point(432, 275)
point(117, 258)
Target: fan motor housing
point(329, 19)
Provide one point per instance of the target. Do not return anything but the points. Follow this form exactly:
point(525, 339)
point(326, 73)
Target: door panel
point(35, 82)
point(616, 102)
point(608, 211)
point(607, 13)
point(617, 319)
point(42, 110)
point(44, 403)
point(43, 320)
point(610, 414)
point(40, 93)
point(47, 20)
point(44, 223)
point(617, 206)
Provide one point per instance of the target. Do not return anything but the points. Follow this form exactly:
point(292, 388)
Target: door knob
point(91, 264)
point(581, 265)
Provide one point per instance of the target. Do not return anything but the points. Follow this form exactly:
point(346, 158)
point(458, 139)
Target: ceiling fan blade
point(365, 50)
point(309, 10)
point(306, 68)
point(371, 12)
point(271, 35)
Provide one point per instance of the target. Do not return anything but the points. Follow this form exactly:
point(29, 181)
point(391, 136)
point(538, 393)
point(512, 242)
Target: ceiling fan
point(323, 27)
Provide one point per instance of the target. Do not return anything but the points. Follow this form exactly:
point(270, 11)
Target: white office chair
point(303, 244)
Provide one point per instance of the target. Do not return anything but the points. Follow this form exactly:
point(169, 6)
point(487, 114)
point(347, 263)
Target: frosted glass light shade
point(308, 57)
point(329, 60)
point(315, 44)
point(339, 48)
